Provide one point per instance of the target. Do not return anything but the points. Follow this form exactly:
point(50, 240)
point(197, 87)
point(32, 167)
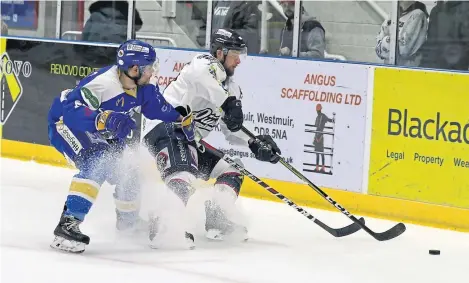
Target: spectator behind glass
point(108, 22)
point(412, 31)
point(241, 16)
point(312, 41)
point(4, 28)
point(447, 45)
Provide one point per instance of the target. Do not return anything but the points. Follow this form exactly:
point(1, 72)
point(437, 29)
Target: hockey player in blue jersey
point(89, 124)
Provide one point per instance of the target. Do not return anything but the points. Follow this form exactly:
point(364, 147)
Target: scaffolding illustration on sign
point(321, 156)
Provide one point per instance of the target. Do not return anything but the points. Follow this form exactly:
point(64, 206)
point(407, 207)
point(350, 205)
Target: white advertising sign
point(315, 111)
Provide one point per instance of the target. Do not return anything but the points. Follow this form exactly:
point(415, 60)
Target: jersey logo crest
point(206, 119)
point(120, 101)
point(90, 98)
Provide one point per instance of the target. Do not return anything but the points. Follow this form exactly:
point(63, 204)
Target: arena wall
point(394, 141)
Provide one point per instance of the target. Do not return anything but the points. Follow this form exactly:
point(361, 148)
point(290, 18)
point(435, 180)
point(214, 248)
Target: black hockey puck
point(434, 252)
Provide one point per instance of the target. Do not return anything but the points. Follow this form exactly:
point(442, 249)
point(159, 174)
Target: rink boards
point(394, 140)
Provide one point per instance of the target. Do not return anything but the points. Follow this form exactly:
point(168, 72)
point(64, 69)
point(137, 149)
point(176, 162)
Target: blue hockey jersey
point(102, 90)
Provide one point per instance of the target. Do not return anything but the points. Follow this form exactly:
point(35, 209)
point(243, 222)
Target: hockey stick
point(395, 231)
point(345, 231)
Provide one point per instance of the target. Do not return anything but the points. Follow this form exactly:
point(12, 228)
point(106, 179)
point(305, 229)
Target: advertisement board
point(315, 111)
point(33, 74)
point(420, 136)
point(20, 14)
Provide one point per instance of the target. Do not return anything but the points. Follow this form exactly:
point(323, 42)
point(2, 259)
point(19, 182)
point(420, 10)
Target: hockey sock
point(181, 188)
point(81, 196)
point(234, 180)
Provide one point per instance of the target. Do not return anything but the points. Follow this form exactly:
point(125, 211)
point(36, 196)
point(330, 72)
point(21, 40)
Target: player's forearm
point(166, 116)
point(156, 107)
point(160, 109)
point(82, 119)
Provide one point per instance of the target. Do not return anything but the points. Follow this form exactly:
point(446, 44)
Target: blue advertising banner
point(20, 14)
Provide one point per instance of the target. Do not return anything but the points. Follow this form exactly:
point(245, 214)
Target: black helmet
point(226, 39)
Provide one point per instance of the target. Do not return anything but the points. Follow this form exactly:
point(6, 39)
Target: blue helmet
point(135, 52)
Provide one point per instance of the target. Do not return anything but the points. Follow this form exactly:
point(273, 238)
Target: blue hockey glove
point(117, 123)
point(185, 129)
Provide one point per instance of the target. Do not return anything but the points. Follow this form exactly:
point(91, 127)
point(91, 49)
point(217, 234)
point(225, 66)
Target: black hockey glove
point(265, 149)
point(233, 117)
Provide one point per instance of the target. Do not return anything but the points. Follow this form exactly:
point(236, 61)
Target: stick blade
point(391, 233)
point(350, 229)
point(342, 232)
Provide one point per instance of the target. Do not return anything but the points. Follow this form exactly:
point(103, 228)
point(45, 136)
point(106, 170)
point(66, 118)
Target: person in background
point(107, 23)
point(412, 32)
point(4, 28)
point(242, 17)
point(312, 33)
point(447, 45)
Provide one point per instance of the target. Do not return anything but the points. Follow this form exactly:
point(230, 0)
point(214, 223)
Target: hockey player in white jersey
point(206, 85)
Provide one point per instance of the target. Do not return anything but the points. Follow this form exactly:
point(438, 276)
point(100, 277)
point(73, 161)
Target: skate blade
point(217, 235)
point(69, 246)
point(166, 247)
point(190, 245)
point(161, 244)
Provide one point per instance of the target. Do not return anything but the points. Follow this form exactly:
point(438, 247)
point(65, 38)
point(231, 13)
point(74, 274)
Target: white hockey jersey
point(203, 85)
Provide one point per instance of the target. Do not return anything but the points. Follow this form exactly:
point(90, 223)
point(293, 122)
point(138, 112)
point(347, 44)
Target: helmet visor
point(153, 68)
point(238, 54)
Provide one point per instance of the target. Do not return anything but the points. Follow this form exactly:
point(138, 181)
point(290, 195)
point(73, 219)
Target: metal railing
point(334, 56)
point(275, 8)
point(152, 39)
point(148, 38)
point(378, 10)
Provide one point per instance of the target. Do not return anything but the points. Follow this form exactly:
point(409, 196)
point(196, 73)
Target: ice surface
point(284, 246)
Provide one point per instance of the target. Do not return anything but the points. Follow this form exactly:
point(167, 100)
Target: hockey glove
point(185, 129)
point(117, 123)
point(233, 116)
point(265, 149)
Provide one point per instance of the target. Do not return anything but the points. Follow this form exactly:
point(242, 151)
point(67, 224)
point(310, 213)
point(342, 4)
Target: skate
point(218, 226)
point(129, 222)
point(68, 236)
point(158, 239)
point(152, 226)
point(159, 242)
point(190, 241)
